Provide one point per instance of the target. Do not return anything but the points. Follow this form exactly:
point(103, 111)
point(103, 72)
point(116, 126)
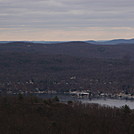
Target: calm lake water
point(101, 101)
point(111, 102)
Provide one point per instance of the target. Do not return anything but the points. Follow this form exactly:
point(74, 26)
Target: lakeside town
point(27, 88)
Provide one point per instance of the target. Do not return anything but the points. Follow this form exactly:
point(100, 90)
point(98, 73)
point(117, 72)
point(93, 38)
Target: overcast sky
point(51, 20)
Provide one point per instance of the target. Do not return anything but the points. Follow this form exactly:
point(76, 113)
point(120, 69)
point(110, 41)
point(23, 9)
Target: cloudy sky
point(52, 20)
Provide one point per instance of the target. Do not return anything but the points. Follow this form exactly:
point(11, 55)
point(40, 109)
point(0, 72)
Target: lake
point(111, 102)
point(101, 101)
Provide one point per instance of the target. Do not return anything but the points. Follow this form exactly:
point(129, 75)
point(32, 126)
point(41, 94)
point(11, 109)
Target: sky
point(66, 20)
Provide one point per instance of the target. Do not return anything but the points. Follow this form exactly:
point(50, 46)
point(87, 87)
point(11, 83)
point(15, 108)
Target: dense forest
point(31, 115)
point(66, 66)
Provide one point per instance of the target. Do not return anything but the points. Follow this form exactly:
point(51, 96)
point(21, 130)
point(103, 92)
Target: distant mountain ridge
point(107, 42)
point(112, 42)
point(41, 42)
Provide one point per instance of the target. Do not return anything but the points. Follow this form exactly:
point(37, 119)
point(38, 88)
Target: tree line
point(32, 115)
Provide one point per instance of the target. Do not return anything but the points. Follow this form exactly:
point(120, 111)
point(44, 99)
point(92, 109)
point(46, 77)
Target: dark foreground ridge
point(31, 115)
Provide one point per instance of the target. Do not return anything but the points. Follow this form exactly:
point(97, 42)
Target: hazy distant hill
point(107, 42)
point(42, 42)
point(112, 42)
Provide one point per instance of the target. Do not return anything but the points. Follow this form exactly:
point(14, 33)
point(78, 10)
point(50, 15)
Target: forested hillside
point(65, 66)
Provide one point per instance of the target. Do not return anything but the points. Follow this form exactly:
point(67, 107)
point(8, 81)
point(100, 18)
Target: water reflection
point(111, 102)
point(101, 101)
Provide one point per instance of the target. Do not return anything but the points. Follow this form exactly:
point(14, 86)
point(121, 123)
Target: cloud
point(65, 14)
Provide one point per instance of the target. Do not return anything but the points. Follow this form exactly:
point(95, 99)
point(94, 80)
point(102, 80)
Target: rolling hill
point(78, 49)
point(108, 68)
